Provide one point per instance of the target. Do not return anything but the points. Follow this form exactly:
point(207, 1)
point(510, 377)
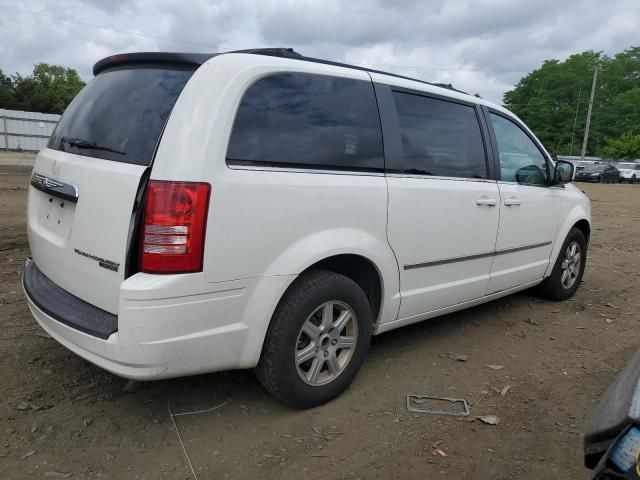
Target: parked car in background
point(629, 171)
point(580, 164)
point(195, 213)
point(600, 172)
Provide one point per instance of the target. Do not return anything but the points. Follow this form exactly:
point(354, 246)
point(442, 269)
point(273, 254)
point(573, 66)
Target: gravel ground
point(61, 417)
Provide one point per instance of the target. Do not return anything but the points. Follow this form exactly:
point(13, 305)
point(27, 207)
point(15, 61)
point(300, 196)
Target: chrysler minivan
point(260, 209)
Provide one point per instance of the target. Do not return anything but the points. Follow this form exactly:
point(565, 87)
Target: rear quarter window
point(123, 109)
point(304, 120)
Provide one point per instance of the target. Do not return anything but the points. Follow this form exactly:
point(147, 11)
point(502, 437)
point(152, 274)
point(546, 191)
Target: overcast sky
point(482, 46)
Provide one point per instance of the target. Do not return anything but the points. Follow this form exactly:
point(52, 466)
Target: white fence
point(25, 130)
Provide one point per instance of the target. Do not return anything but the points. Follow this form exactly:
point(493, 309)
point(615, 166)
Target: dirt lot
point(61, 417)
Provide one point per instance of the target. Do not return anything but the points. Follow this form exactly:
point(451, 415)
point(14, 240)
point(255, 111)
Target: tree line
point(553, 100)
point(49, 89)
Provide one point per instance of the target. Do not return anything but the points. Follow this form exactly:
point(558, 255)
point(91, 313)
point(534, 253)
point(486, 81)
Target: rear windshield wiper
point(81, 143)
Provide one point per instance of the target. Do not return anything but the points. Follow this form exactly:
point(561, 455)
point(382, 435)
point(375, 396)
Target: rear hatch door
point(87, 183)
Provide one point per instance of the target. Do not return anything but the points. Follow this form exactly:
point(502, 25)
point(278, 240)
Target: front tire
point(317, 340)
point(568, 269)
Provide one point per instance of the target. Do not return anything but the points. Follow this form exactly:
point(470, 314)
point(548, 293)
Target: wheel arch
point(356, 266)
point(585, 227)
point(345, 251)
point(579, 218)
point(362, 271)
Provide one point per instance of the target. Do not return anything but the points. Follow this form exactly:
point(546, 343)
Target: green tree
point(546, 99)
point(7, 95)
point(49, 89)
point(626, 147)
point(552, 97)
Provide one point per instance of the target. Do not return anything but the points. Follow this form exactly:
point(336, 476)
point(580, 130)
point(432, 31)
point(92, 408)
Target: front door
point(443, 208)
point(529, 210)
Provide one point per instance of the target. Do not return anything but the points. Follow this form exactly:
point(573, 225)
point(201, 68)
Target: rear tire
point(302, 363)
point(568, 269)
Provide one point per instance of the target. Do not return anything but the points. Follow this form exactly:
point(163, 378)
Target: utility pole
point(586, 128)
point(575, 120)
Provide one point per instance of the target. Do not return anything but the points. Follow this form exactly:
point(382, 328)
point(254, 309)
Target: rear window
point(305, 120)
point(121, 112)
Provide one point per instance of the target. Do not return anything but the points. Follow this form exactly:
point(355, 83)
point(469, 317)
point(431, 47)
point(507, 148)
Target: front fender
point(577, 213)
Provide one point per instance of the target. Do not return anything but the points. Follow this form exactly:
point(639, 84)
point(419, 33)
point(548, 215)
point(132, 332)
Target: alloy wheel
point(571, 263)
point(326, 343)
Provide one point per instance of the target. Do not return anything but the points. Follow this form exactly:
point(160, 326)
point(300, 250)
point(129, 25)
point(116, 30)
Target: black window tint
point(440, 137)
point(306, 120)
point(122, 109)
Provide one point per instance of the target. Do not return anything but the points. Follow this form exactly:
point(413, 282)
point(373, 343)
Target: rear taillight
point(175, 218)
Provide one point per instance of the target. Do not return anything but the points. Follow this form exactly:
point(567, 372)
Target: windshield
point(120, 114)
point(629, 166)
point(593, 168)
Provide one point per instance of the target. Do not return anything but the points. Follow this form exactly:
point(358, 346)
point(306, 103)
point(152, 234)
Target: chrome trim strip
point(476, 256)
point(54, 187)
point(436, 177)
point(444, 261)
point(329, 171)
point(550, 186)
point(352, 172)
point(524, 247)
point(303, 170)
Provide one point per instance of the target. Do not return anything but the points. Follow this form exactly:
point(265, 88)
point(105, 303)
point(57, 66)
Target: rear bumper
point(174, 325)
point(64, 307)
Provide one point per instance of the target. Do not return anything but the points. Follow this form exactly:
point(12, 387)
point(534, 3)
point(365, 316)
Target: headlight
point(595, 174)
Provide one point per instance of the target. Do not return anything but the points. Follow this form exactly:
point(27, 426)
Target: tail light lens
point(175, 218)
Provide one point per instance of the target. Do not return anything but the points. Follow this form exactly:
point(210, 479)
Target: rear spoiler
point(156, 58)
point(187, 59)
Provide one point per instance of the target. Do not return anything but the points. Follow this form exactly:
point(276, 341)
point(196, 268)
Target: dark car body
point(602, 173)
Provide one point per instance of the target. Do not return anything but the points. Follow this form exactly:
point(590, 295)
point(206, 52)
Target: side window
point(305, 120)
point(520, 160)
point(440, 137)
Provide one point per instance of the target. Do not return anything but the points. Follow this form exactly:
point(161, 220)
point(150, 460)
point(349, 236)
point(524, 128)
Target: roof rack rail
point(291, 53)
point(271, 51)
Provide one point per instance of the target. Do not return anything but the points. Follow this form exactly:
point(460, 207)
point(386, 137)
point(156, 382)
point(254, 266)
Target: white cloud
point(482, 46)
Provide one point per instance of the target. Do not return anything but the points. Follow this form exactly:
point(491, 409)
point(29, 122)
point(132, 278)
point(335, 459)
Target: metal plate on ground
point(437, 405)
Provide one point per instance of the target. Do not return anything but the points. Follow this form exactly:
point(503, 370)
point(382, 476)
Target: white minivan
point(195, 213)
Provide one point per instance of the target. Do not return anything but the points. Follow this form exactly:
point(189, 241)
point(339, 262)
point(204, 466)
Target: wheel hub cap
point(326, 343)
point(571, 264)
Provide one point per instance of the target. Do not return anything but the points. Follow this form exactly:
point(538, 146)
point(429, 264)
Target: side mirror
point(563, 172)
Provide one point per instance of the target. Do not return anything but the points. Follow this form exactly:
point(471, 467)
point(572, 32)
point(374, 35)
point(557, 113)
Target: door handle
point(512, 201)
point(488, 201)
